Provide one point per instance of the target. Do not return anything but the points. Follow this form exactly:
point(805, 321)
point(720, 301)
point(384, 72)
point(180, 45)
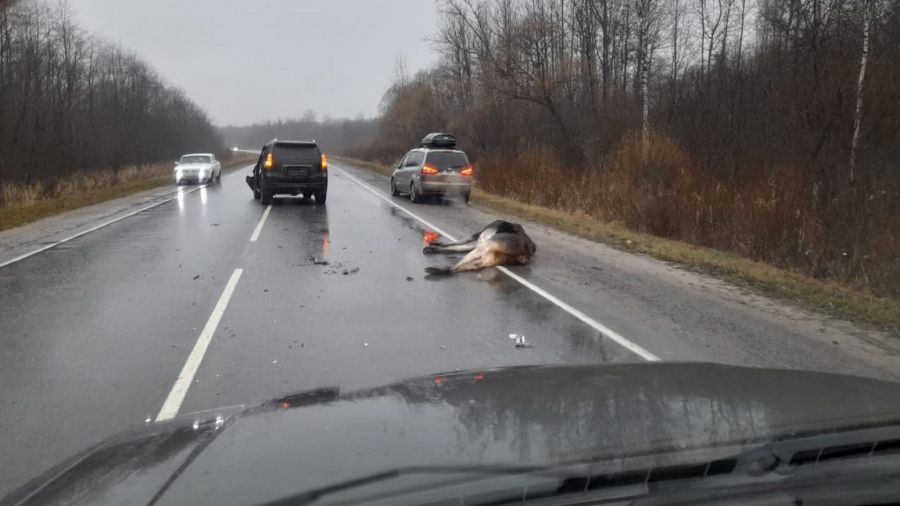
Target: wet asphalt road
point(96, 331)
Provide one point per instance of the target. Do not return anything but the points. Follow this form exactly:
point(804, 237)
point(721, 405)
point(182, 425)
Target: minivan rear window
point(447, 159)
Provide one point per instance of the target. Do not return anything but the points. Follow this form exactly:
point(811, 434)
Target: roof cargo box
point(439, 140)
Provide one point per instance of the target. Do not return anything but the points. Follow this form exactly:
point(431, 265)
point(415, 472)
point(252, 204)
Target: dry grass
point(375, 167)
point(18, 195)
point(24, 203)
point(775, 216)
point(571, 215)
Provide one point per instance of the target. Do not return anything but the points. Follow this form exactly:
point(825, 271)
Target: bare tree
point(867, 7)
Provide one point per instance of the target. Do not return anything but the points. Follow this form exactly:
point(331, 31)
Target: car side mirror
point(177, 162)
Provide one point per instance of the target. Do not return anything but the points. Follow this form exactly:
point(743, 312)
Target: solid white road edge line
point(98, 227)
point(259, 226)
point(599, 327)
point(183, 383)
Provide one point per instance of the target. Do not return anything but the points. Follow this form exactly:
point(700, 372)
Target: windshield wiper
point(478, 472)
point(856, 452)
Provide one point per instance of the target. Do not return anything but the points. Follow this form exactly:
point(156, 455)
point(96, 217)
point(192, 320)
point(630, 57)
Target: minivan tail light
point(270, 162)
point(429, 169)
point(467, 171)
point(324, 162)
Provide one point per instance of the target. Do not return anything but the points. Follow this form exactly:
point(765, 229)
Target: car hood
point(521, 415)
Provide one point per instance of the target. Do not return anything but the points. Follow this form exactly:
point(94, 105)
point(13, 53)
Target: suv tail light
point(270, 162)
point(324, 162)
point(467, 171)
point(429, 169)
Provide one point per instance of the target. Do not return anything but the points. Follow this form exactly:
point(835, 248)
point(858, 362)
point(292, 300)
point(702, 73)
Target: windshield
point(195, 159)
point(561, 229)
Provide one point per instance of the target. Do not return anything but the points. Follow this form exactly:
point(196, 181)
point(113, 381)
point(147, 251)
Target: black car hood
point(522, 415)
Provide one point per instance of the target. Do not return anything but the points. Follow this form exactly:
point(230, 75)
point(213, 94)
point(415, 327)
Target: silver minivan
point(432, 171)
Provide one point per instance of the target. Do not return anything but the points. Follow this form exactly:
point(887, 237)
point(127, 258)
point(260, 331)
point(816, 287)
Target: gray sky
point(251, 60)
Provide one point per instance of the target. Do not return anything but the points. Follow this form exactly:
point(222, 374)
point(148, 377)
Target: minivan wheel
point(394, 192)
point(414, 196)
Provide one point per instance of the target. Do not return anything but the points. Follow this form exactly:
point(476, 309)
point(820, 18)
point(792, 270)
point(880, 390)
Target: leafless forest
point(770, 128)
point(72, 104)
point(333, 135)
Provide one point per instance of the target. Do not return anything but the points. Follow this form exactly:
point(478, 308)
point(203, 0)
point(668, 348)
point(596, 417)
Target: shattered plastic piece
point(520, 341)
point(410, 278)
point(365, 344)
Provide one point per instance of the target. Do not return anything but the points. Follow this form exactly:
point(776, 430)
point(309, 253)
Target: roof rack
point(438, 140)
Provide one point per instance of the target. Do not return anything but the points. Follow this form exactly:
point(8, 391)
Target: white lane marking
point(599, 327)
point(98, 227)
point(259, 226)
point(183, 383)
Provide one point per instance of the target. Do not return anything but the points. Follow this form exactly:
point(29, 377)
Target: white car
point(198, 167)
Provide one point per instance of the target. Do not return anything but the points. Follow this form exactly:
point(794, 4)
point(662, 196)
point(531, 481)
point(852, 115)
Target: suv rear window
point(447, 159)
point(297, 153)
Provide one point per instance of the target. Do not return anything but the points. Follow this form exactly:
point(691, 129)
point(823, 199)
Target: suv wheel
point(466, 197)
point(321, 197)
point(394, 192)
point(414, 196)
point(265, 196)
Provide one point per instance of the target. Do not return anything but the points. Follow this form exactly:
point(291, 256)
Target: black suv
point(290, 167)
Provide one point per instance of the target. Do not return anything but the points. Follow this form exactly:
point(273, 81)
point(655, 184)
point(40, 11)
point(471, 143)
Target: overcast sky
point(252, 60)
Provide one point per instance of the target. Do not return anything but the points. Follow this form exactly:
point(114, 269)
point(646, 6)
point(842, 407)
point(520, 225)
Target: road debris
point(318, 261)
point(520, 341)
point(410, 278)
point(196, 277)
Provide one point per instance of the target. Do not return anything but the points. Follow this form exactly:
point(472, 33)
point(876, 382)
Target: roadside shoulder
point(824, 297)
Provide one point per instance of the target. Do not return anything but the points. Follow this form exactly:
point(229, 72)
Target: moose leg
point(464, 246)
point(473, 261)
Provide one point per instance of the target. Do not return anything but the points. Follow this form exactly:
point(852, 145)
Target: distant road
point(194, 298)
